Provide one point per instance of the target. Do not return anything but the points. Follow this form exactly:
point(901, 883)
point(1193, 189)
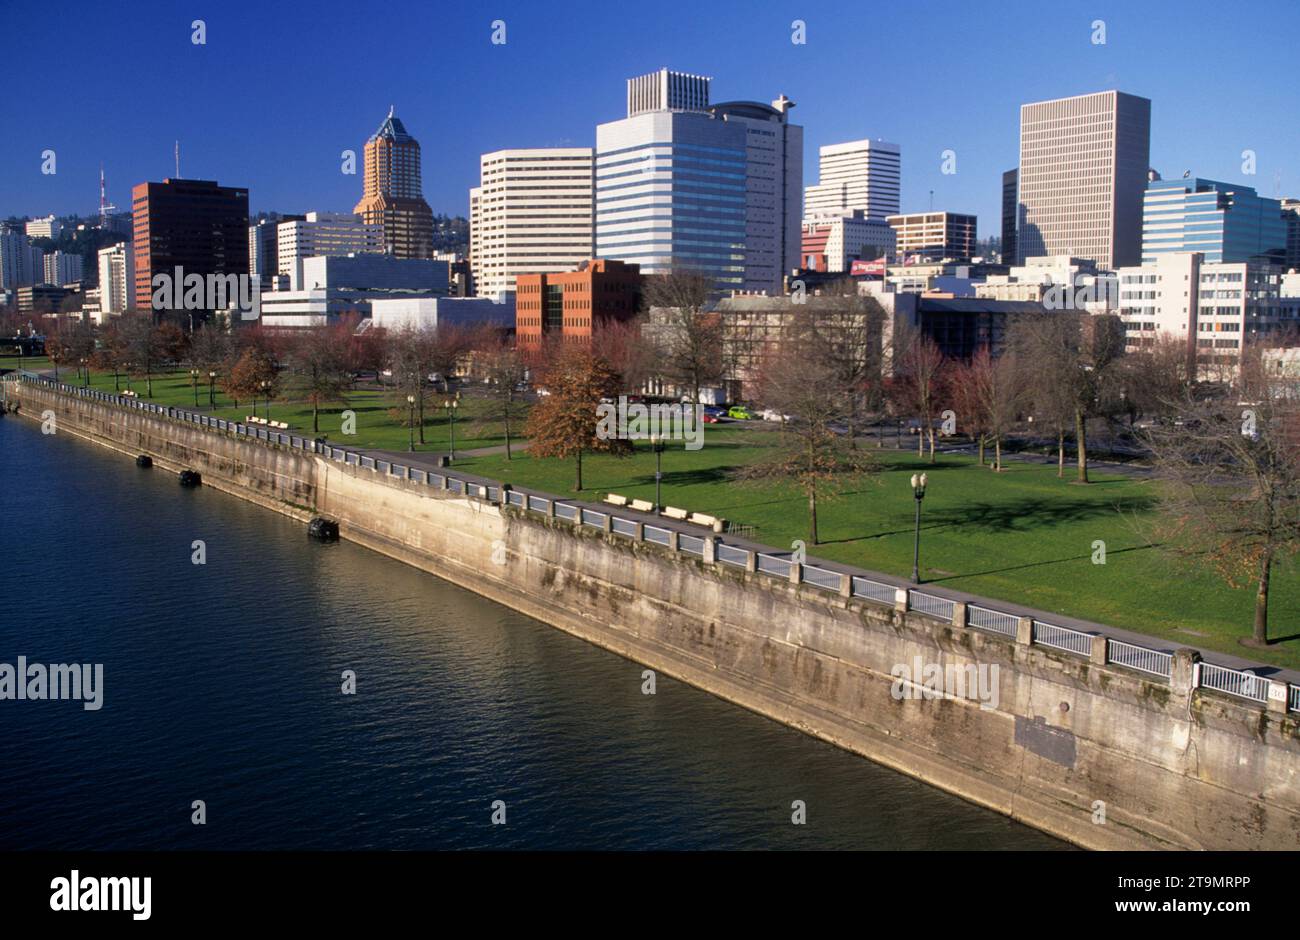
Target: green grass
point(1022, 535)
point(27, 362)
point(375, 426)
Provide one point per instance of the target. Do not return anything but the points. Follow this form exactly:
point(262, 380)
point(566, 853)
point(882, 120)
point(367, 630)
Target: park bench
point(615, 500)
point(672, 512)
point(642, 505)
point(713, 522)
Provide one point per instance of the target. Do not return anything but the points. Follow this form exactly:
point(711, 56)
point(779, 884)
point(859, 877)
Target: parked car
point(715, 410)
point(771, 414)
point(708, 418)
point(740, 413)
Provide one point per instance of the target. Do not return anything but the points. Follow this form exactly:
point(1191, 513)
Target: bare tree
point(1230, 474)
point(921, 371)
point(687, 336)
point(318, 367)
point(620, 343)
point(799, 377)
point(850, 325)
point(506, 371)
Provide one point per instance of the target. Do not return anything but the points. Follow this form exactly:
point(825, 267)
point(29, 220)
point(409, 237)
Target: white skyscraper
point(1083, 171)
point(858, 176)
point(329, 234)
point(683, 184)
point(530, 214)
point(116, 278)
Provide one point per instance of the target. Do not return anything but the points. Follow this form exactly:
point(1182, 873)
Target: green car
point(740, 413)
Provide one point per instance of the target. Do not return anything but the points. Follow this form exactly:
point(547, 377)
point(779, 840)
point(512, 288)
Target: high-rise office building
point(861, 175)
point(1010, 205)
point(392, 197)
point(689, 185)
point(116, 278)
point(264, 247)
point(21, 263)
point(1083, 170)
point(62, 268)
point(1222, 221)
point(324, 233)
point(934, 236)
point(195, 225)
point(532, 213)
point(1291, 217)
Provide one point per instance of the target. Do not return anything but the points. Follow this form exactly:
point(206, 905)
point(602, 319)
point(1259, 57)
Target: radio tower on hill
point(104, 207)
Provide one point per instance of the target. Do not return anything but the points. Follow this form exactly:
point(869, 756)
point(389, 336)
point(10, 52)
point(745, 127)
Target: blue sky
point(280, 89)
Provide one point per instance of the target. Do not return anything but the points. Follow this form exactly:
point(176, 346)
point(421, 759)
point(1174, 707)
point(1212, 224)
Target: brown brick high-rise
point(392, 197)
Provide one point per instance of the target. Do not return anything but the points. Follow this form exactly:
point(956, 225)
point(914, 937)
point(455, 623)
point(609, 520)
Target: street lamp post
point(194, 381)
point(212, 383)
point(658, 444)
point(266, 396)
point(85, 371)
point(410, 404)
point(918, 492)
point(451, 404)
point(900, 435)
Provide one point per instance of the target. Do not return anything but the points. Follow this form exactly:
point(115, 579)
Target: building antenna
point(178, 159)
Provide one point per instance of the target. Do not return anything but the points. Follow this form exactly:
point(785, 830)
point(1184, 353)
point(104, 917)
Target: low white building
point(48, 227)
point(427, 313)
point(326, 288)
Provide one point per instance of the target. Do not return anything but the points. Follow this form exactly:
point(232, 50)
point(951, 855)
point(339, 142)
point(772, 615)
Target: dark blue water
point(222, 684)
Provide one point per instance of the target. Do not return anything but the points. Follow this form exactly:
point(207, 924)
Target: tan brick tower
point(392, 197)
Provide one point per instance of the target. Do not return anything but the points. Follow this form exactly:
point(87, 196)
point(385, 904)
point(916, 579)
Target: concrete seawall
point(1067, 741)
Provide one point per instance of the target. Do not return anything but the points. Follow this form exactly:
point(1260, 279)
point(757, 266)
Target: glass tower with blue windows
point(1225, 221)
point(685, 185)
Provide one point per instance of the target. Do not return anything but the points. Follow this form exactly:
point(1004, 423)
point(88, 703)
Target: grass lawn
point(375, 427)
point(27, 362)
point(1022, 535)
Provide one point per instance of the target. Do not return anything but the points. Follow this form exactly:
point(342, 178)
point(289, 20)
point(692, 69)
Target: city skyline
point(263, 100)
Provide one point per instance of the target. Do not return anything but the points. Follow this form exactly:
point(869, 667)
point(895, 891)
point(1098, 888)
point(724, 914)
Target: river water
point(222, 683)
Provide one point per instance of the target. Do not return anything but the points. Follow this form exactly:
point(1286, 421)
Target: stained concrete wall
point(1173, 768)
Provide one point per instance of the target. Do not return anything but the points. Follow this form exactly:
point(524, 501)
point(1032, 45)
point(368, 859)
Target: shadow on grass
point(1038, 564)
point(1021, 516)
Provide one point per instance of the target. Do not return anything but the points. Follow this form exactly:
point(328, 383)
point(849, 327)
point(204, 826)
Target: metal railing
point(874, 590)
point(1156, 662)
point(690, 543)
point(652, 533)
point(770, 564)
point(730, 555)
point(931, 605)
point(821, 577)
point(1062, 638)
point(1151, 662)
point(995, 621)
point(1238, 682)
